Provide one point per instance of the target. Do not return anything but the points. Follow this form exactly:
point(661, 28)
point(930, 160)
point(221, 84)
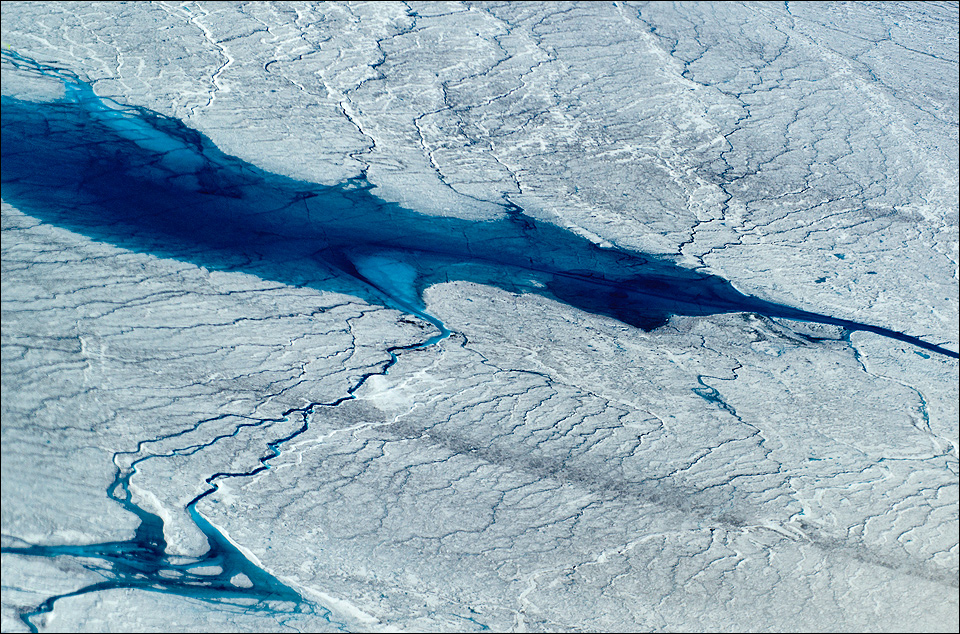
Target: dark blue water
point(141, 563)
point(146, 182)
point(130, 177)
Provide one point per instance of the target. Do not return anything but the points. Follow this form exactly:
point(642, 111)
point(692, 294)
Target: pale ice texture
point(542, 468)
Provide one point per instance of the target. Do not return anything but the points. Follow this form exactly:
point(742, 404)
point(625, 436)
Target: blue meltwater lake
point(143, 181)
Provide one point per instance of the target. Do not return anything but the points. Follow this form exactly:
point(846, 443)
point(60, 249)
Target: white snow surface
point(543, 468)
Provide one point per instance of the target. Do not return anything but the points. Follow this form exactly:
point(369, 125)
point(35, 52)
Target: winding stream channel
point(131, 177)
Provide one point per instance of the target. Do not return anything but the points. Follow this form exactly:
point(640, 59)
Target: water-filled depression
point(140, 180)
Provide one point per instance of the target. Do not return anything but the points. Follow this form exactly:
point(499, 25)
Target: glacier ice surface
point(231, 400)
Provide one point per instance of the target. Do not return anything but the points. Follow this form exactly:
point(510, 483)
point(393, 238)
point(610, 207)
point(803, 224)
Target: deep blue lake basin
point(137, 179)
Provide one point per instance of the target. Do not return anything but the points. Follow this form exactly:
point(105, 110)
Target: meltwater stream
point(221, 576)
point(134, 178)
